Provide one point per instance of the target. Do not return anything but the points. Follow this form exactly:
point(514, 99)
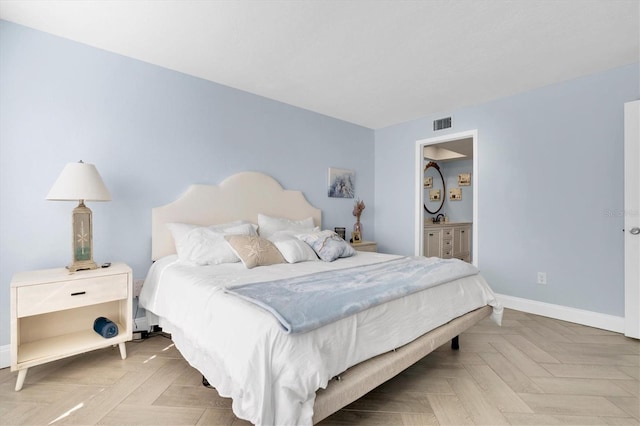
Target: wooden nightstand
point(365, 246)
point(52, 313)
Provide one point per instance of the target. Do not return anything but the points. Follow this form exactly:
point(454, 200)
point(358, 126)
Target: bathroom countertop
point(440, 224)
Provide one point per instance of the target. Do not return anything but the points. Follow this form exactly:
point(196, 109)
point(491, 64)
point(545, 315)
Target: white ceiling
point(373, 63)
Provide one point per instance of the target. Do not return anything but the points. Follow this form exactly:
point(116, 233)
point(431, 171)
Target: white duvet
point(272, 376)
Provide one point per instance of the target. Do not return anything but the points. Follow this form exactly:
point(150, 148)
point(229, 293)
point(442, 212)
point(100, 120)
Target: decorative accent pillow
point(268, 225)
point(328, 245)
point(205, 246)
point(254, 251)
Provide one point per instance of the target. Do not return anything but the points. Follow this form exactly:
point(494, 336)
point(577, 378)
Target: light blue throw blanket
point(304, 303)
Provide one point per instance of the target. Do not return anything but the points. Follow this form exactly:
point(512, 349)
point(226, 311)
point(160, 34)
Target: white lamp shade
point(79, 181)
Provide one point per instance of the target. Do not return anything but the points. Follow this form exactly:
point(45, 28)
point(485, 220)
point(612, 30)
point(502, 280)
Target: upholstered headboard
point(241, 196)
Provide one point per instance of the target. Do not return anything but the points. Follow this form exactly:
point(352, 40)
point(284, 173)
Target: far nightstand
point(366, 246)
point(52, 313)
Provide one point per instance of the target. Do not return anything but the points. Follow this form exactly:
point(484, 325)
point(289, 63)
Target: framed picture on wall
point(464, 179)
point(428, 182)
point(434, 195)
point(342, 183)
point(455, 194)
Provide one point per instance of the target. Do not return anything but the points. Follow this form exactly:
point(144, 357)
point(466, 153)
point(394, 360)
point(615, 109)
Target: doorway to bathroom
point(453, 160)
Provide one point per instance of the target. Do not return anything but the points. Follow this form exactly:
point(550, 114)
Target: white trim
point(5, 356)
point(631, 219)
point(419, 194)
point(418, 230)
point(564, 313)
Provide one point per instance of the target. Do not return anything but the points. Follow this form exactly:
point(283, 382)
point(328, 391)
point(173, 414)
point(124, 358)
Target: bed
point(272, 376)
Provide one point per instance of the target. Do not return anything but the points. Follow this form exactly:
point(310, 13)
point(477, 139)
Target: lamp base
point(82, 256)
point(82, 265)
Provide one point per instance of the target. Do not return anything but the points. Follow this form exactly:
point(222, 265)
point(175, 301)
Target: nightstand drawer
point(51, 297)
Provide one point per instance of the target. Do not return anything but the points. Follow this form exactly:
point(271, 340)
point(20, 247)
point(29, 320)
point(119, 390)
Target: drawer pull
point(79, 293)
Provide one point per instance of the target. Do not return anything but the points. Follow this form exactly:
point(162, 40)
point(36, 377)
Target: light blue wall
point(151, 132)
point(550, 174)
point(550, 165)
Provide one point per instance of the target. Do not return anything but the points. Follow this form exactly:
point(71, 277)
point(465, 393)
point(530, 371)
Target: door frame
point(419, 194)
point(631, 219)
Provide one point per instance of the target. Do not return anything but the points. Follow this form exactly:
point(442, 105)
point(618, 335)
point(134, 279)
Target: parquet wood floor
point(531, 371)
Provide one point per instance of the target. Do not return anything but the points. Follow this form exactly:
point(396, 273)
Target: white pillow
point(269, 225)
point(180, 230)
point(205, 246)
point(295, 251)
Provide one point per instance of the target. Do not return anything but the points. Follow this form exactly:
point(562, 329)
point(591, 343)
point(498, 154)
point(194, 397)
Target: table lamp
point(80, 182)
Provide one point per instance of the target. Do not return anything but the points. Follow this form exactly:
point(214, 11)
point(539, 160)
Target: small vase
point(357, 227)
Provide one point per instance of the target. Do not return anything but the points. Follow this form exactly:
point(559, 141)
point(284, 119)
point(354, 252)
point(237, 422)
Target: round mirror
point(434, 190)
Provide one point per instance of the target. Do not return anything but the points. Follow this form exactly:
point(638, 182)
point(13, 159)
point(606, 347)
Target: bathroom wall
point(458, 210)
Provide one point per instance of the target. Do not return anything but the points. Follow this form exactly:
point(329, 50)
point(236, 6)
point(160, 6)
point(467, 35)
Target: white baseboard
point(5, 356)
point(564, 313)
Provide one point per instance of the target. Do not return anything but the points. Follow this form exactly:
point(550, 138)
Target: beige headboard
point(241, 196)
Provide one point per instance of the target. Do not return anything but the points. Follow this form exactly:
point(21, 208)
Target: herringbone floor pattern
point(532, 370)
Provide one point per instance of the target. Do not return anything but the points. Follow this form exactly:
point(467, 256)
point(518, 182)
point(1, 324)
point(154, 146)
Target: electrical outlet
point(542, 277)
point(137, 287)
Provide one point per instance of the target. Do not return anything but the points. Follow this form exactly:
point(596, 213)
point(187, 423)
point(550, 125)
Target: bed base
point(455, 345)
point(366, 376)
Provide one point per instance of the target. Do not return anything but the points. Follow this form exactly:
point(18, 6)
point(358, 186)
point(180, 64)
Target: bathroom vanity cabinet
point(448, 240)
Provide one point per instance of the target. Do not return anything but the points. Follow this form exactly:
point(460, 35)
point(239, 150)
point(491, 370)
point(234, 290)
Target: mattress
point(272, 376)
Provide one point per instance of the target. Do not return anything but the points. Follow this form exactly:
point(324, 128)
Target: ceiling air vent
point(442, 123)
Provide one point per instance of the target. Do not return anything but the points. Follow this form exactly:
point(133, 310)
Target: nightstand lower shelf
point(56, 347)
point(39, 352)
